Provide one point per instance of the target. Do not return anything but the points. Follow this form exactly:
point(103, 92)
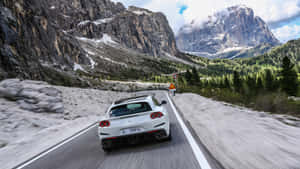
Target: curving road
point(84, 152)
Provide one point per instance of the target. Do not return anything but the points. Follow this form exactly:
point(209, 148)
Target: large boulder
point(34, 96)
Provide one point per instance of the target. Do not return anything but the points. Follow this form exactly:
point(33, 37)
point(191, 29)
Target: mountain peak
point(217, 17)
point(235, 27)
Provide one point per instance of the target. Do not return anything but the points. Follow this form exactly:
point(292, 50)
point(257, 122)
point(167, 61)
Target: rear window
point(128, 109)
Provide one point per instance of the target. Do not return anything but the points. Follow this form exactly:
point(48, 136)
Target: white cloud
point(269, 10)
point(287, 32)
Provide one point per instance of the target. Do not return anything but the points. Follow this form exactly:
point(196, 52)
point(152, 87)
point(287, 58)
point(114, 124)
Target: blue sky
point(283, 16)
point(182, 8)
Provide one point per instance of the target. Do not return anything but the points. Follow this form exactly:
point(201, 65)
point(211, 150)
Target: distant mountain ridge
point(229, 33)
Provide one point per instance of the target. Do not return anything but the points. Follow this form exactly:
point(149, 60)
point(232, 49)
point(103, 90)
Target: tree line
point(285, 80)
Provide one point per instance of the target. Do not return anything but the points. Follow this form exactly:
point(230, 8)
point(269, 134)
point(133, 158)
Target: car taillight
point(156, 115)
point(104, 123)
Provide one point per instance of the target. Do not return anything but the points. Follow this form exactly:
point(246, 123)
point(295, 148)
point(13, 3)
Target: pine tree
point(195, 77)
point(226, 83)
point(259, 84)
point(251, 83)
point(289, 81)
point(188, 76)
point(269, 80)
point(237, 82)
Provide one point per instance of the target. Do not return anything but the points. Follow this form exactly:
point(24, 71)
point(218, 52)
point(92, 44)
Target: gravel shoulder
point(242, 138)
point(25, 131)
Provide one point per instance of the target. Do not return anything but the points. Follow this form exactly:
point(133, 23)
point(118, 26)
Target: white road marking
point(195, 147)
point(55, 147)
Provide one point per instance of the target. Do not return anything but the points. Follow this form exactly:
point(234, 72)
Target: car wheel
point(106, 149)
point(107, 145)
point(169, 138)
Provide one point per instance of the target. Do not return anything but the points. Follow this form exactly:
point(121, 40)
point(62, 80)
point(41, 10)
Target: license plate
point(130, 131)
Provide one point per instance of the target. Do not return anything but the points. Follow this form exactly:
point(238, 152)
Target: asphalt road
point(85, 152)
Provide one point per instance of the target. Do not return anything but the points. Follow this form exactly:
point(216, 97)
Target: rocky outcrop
point(75, 35)
point(30, 40)
point(33, 95)
point(135, 28)
point(232, 30)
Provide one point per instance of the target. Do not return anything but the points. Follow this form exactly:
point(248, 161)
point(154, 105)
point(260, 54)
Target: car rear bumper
point(115, 132)
point(133, 138)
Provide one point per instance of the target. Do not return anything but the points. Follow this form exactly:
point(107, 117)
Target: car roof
point(132, 99)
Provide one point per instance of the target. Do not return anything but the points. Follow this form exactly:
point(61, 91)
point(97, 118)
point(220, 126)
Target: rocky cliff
point(135, 28)
point(43, 39)
point(227, 32)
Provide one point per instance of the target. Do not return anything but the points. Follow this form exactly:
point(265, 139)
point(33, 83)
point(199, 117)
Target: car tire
point(169, 138)
point(107, 146)
point(106, 149)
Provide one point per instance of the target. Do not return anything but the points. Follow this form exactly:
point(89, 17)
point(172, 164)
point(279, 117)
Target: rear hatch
point(131, 120)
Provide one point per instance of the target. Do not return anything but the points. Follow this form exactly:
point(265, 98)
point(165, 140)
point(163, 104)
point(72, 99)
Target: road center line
point(195, 147)
point(55, 147)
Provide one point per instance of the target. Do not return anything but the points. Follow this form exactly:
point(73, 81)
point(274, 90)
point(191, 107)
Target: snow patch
point(220, 36)
point(68, 31)
point(112, 61)
point(66, 16)
point(101, 21)
point(96, 22)
point(231, 49)
point(106, 39)
point(52, 7)
point(83, 23)
point(89, 52)
point(93, 63)
point(78, 67)
point(141, 12)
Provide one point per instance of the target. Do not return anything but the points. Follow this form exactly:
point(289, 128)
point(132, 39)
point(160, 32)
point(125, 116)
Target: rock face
point(135, 28)
point(33, 95)
point(233, 29)
point(44, 39)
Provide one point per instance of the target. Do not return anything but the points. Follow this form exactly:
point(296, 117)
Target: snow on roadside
point(239, 137)
point(24, 134)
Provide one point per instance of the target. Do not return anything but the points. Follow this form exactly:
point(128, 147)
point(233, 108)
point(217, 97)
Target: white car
point(132, 119)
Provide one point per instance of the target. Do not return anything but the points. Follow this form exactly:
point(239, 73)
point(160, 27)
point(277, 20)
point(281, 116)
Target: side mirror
point(163, 102)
